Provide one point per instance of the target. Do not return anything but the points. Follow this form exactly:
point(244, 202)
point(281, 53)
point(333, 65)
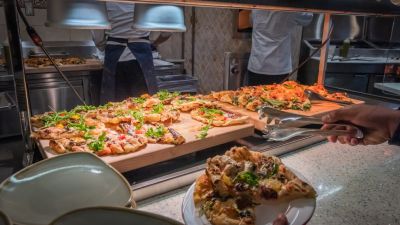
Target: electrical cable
point(37, 40)
point(311, 55)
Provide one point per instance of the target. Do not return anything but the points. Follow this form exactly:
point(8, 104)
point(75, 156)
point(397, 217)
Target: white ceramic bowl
point(112, 215)
point(4, 220)
point(38, 194)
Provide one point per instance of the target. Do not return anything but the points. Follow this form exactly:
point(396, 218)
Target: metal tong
point(283, 126)
point(315, 96)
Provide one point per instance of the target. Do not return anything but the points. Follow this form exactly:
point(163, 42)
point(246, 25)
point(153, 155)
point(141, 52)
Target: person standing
point(128, 60)
point(271, 50)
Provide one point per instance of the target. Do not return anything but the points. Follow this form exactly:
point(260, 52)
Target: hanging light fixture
point(77, 14)
point(168, 18)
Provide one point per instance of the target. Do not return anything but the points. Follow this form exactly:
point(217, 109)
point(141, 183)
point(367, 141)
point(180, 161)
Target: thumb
point(341, 114)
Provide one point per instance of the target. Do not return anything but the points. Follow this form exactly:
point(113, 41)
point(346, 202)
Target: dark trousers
point(129, 80)
point(254, 79)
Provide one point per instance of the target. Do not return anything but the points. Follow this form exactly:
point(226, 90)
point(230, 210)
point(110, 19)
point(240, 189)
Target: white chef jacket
point(271, 50)
point(120, 16)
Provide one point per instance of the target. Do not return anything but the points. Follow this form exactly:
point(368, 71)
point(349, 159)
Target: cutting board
point(154, 153)
point(91, 64)
point(317, 108)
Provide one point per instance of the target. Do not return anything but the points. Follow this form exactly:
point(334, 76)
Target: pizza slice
point(240, 179)
point(107, 143)
point(161, 113)
point(162, 134)
point(188, 103)
point(222, 211)
point(165, 96)
point(217, 117)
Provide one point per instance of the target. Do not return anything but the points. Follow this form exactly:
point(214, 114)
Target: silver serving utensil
point(288, 133)
point(315, 96)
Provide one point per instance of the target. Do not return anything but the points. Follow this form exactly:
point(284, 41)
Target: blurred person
point(128, 59)
point(379, 124)
point(271, 50)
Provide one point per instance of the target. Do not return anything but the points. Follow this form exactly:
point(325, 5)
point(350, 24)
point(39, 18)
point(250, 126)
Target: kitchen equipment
point(50, 188)
point(155, 153)
point(77, 14)
point(112, 215)
point(167, 18)
point(284, 134)
point(180, 82)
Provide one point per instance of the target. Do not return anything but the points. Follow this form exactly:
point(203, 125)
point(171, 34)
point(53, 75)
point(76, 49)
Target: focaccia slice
point(189, 103)
point(162, 134)
point(217, 117)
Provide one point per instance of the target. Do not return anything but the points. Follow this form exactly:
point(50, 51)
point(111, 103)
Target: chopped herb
point(248, 178)
point(157, 132)
point(211, 113)
point(204, 131)
point(139, 117)
point(98, 144)
point(106, 106)
point(275, 103)
point(164, 95)
point(159, 108)
point(274, 171)
point(138, 100)
point(83, 108)
point(81, 126)
point(52, 119)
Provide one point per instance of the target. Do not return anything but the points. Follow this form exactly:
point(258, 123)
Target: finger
point(332, 139)
point(328, 127)
point(280, 220)
point(342, 139)
point(354, 142)
point(344, 114)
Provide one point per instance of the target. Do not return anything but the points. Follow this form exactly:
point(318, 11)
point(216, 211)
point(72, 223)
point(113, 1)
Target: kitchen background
point(203, 53)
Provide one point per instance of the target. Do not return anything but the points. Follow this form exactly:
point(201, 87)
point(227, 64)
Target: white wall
point(47, 33)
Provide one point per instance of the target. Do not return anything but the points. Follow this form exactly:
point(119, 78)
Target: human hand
point(280, 220)
point(377, 123)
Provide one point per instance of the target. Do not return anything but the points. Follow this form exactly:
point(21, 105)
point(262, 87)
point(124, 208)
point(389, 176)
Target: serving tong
point(315, 96)
point(282, 126)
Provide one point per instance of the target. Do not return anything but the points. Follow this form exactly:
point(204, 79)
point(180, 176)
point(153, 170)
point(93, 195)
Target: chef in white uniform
point(128, 61)
point(271, 51)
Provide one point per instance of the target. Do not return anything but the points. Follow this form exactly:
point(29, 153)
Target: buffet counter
point(355, 185)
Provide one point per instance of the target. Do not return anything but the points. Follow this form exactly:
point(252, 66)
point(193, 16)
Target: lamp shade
point(77, 14)
point(168, 18)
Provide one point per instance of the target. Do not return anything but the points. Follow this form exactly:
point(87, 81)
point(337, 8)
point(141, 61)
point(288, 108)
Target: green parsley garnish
point(157, 132)
point(211, 113)
point(164, 95)
point(81, 126)
point(138, 100)
point(98, 144)
point(248, 178)
point(83, 108)
point(159, 108)
point(52, 119)
point(139, 117)
point(204, 131)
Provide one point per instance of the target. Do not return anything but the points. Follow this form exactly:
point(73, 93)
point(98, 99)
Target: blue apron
point(143, 54)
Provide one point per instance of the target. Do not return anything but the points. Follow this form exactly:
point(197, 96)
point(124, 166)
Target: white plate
point(45, 190)
point(112, 215)
point(298, 211)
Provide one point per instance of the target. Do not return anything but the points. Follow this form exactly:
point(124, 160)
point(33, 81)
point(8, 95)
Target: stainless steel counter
point(355, 185)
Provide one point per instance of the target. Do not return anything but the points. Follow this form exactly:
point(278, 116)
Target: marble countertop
point(355, 185)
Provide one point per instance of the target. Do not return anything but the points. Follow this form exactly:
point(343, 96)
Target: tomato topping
point(138, 132)
point(121, 137)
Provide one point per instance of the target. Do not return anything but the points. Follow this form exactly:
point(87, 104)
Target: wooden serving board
point(91, 64)
point(318, 108)
point(154, 153)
